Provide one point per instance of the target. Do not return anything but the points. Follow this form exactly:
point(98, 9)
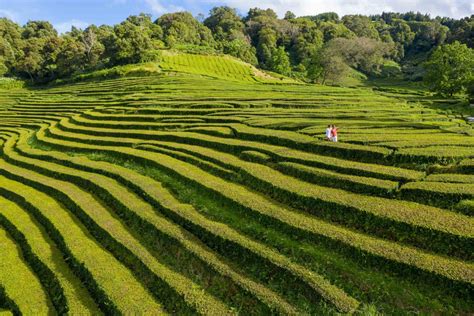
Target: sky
point(80, 13)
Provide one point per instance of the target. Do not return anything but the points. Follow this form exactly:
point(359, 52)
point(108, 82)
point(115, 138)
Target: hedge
point(47, 278)
point(254, 156)
point(396, 219)
point(454, 273)
point(358, 184)
point(42, 183)
point(76, 295)
point(334, 295)
point(450, 177)
point(433, 154)
point(20, 282)
point(8, 303)
point(441, 194)
point(133, 214)
point(161, 282)
point(236, 146)
point(281, 138)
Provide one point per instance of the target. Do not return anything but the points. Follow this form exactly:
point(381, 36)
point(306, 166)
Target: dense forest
point(319, 48)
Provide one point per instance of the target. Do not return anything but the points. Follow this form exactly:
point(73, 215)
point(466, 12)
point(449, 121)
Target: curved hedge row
point(100, 174)
point(395, 216)
point(236, 146)
point(224, 234)
point(47, 278)
point(388, 251)
point(157, 278)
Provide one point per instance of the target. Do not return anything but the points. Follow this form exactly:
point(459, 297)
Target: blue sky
point(64, 13)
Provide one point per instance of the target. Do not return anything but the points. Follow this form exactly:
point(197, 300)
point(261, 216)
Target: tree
point(333, 30)
point(39, 52)
point(462, 31)
point(402, 35)
point(92, 46)
point(450, 68)
point(182, 28)
point(428, 35)
point(365, 54)
point(470, 91)
point(11, 44)
point(32, 59)
point(305, 42)
point(39, 29)
point(3, 68)
point(241, 49)
point(228, 30)
point(361, 25)
point(289, 15)
point(71, 57)
point(280, 62)
point(266, 46)
point(134, 39)
point(326, 66)
point(327, 17)
point(224, 22)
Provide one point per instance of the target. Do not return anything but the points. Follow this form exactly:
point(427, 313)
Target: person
point(328, 133)
point(334, 130)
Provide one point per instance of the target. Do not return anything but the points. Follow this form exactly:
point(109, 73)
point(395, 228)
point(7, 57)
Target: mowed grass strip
point(20, 283)
point(448, 269)
point(78, 299)
point(186, 213)
point(7, 306)
point(443, 194)
point(450, 177)
point(434, 154)
point(357, 184)
point(158, 278)
point(351, 209)
point(237, 145)
point(146, 213)
point(123, 289)
point(275, 137)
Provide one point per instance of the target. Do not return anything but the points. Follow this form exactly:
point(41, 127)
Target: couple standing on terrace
point(331, 133)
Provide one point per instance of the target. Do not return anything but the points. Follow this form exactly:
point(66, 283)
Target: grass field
point(202, 186)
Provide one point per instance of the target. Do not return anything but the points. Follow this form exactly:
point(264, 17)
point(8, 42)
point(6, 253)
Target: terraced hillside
point(186, 194)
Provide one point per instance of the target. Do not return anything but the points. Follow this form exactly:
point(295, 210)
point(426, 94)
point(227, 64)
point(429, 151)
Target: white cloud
point(64, 27)
point(453, 8)
point(157, 7)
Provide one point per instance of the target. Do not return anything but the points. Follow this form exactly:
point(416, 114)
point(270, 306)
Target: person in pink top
point(334, 130)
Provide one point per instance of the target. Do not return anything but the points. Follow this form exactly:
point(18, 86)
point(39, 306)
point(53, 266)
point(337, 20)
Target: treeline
point(313, 48)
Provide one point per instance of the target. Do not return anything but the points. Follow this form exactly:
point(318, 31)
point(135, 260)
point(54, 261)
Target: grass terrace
point(201, 185)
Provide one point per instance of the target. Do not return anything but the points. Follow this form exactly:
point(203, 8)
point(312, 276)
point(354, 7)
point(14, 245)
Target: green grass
point(78, 299)
point(222, 67)
point(20, 283)
point(199, 184)
point(96, 260)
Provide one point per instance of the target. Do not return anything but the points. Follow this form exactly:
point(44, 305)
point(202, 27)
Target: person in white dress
point(329, 133)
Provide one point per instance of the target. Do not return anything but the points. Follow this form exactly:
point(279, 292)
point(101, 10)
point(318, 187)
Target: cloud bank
point(452, 8)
